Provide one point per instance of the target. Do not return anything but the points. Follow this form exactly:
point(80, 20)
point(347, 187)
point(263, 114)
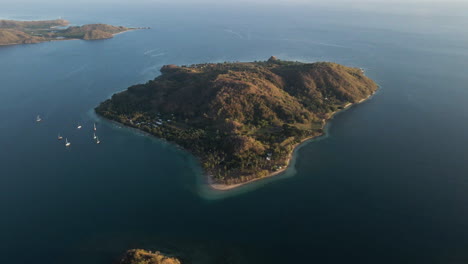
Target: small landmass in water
point(26, 32)
point(241, 120)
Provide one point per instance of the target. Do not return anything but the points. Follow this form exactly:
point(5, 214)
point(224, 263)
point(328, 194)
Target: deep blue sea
point(388, 184)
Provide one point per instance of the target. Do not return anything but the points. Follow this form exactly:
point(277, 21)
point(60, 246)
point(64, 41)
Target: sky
point(288, 2)
point(263, 2)
point(404, 7)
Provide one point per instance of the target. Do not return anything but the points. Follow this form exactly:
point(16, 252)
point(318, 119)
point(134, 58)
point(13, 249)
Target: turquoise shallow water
point(388, 184)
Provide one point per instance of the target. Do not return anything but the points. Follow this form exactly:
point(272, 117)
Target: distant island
point(242, 120)
point(140, 256)
point(26, 32)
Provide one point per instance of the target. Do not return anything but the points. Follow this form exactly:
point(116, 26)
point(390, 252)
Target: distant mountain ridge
point(31, 25)
point(241, 120)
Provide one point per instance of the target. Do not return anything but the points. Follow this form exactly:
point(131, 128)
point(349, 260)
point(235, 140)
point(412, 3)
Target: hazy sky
point(408, 7)
point(266, 2)
point(235, 1)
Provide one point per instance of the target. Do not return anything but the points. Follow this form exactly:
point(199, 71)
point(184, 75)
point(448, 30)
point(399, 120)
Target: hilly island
point(26, 32)
point(241, 120)
point(140, 256)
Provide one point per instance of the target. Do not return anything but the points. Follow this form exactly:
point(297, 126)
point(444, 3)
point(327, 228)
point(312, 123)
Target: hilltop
point(92, 31)
point(140, 256)
point(242, 120)
point(25, 32)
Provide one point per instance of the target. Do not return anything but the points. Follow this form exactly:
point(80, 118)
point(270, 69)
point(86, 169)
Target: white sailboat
point(95, 127)
point(38, 118)
point(67, 144)
point(59, 137)
point(94, 136)
point(97, 140)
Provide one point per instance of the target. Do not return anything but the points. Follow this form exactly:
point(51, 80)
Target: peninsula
point(26, 32)
point(241, 120)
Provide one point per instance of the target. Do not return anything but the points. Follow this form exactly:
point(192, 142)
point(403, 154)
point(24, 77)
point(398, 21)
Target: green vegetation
point(24, 32)
point(139, 256)
point(242, 120)
point(92, 31)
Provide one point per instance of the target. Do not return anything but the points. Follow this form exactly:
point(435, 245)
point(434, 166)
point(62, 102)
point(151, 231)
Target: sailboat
point(97, 140)
point(95, 127)
point(59, 137)
point(94, 136)
point(67, 144)
point(38, 118)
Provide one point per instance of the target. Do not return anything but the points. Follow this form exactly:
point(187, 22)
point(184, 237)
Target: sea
point(388, 183)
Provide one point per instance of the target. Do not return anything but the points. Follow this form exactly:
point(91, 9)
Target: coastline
point(53, 40)
point(225, 187)
point(208, 179)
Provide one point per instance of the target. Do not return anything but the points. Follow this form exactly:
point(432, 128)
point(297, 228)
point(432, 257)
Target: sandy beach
point(225, 187)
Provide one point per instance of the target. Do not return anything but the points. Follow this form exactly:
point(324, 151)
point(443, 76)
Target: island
point(241, 120)
point(26, 32)
point(140, 256)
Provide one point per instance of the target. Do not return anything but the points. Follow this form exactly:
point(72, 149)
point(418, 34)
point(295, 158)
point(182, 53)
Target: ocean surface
point(387, 184)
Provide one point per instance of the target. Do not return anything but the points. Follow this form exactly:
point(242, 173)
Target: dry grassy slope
point(245, 96)
point(23, 32)
point(9, 37)
point(97, 34)
point(247, 92)
point(103, 27)
point(93, 31)
point(139, 256)
point(316, 80)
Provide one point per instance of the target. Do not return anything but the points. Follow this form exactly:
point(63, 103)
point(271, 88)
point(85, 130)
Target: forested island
point(242, 120)
point(26, 32)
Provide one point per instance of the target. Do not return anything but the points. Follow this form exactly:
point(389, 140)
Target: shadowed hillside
point(241, 119)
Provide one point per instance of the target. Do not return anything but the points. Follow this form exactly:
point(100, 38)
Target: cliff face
point(241, 119)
